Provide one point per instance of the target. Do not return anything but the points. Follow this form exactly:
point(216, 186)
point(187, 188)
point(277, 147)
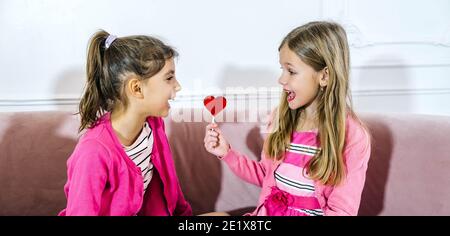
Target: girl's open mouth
point(290, 95)
point(170, 101)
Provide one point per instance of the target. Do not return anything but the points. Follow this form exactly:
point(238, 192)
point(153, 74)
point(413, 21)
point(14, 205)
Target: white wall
point(400, 49)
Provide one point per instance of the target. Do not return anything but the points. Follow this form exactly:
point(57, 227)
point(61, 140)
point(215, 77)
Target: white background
point(400, 49)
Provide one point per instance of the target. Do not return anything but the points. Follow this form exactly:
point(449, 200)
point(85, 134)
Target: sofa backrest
point(409, 169)
point(407, 174)
point(34, 147)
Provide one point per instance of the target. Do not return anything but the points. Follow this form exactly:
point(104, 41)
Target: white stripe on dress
point(303, 149)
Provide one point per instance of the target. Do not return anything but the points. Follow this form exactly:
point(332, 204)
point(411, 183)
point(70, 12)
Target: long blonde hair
point(319, 44)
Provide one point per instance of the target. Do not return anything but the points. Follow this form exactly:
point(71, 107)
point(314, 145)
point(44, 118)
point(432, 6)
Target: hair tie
point(110, 40)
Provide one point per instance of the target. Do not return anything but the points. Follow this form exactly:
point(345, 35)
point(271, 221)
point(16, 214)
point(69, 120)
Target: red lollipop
point(215, 104)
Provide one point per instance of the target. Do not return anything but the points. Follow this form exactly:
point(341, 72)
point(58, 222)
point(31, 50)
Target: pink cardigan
point(102, 180)
point(343, 199)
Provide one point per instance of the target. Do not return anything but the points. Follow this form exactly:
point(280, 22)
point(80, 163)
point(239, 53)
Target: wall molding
point(365, 49)
point(340, 10)
point(196, 97)
point(391, 65)
point(39, 102)
point(400, 92)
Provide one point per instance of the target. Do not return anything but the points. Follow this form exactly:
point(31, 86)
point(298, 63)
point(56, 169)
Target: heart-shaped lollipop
point(215, 104)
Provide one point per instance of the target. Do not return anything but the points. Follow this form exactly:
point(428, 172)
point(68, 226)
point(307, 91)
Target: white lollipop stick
point(213, 121)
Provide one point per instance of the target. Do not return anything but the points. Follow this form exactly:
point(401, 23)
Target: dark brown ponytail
point(92, 103)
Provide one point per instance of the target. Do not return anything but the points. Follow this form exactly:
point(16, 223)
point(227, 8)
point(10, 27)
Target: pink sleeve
point(246, 169)
point(87, 175)
point(345, 198)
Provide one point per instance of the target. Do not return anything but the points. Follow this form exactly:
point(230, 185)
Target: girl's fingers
point(213, 133)
point(212, 145)
point(212, 136)
point(213, 142)
point(218, 131)
point(212, 139)
point(211, 126)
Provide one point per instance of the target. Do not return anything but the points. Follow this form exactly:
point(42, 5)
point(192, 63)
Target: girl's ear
point(323, 82)
point(134, 87)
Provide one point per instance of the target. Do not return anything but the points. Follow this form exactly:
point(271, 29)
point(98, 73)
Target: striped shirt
point(140, 153)
point(291, 177)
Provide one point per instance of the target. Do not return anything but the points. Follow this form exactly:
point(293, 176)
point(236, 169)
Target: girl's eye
point(170, 78)
point(291, 72)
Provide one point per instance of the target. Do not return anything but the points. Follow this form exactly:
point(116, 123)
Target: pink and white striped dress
point(294, 193)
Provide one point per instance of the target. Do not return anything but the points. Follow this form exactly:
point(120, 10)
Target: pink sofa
point(408, 173)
